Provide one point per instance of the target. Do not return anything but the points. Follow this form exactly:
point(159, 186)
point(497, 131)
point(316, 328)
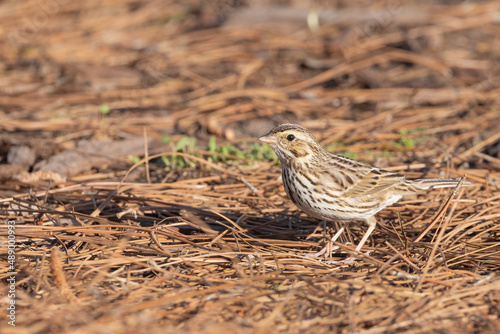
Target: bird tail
point(425, 184)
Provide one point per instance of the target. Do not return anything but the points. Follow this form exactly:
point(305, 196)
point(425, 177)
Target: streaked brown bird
point(330, 186)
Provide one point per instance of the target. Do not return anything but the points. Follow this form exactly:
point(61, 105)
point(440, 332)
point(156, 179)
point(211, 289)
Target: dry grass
point(218, 248)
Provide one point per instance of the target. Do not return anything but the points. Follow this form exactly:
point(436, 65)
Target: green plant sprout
point(215, 152)
point(134, 159)
point(104, 109)
point(405, 140)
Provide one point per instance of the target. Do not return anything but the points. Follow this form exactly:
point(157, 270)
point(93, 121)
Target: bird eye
point(290, 137)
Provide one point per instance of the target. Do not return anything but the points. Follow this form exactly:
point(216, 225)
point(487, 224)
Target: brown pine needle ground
point(118, 230)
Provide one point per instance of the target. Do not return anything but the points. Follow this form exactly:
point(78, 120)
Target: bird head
point(291, 142)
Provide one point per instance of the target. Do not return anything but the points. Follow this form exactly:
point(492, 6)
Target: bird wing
point(374, 181)
point(351, 178)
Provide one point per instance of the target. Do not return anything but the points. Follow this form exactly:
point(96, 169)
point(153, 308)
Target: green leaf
point(134, 159)
point(408, 142)
point(191, 144)
point(104, 109)
point(212, 144)
point(166, 160)
point(179, 147)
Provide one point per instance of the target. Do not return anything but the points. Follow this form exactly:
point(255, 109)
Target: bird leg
point(329, 246)
point(372, 222)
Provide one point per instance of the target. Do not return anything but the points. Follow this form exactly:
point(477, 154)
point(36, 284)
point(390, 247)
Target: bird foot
point(324, 252)
point(350, 259)
point(329, 248)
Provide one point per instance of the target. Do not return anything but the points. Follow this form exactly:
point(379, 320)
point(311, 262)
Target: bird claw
point(329, 248)
point(324, 252)
point(350, 259)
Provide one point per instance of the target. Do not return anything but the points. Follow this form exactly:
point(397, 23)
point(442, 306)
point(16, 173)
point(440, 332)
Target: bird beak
point(269, 139)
